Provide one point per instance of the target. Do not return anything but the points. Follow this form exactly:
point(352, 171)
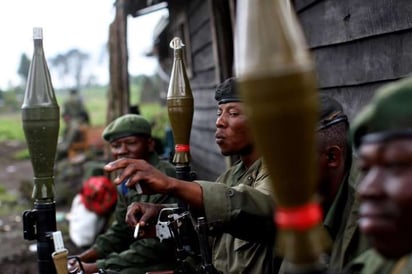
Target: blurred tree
point(24, 67)
point(70, 65)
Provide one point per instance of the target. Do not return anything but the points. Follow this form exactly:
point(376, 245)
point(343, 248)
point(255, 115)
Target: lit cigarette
point(136, 231)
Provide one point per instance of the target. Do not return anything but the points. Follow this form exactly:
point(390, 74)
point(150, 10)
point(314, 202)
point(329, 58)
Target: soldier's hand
point(74, 267)
point(140, 172)
point(142, 213)
point(90, 268)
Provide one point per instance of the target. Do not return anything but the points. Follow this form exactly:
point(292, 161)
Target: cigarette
point(136, 231)
point(139, 189)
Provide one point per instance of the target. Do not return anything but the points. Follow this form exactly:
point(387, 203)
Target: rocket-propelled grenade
point(40, 117)
point(277, 80)
point(180, 105)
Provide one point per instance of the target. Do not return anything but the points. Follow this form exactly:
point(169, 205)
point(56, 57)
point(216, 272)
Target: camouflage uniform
point(120, 251)
point(238, 209)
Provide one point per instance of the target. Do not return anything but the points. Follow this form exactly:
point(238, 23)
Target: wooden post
point(119, 93)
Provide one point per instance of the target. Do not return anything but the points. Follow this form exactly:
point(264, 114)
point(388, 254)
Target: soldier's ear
point(334, 156)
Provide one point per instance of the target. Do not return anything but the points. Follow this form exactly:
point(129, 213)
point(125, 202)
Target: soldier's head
point(129, 137)
point(382, 136)
point(333, 149)
point(233, 134)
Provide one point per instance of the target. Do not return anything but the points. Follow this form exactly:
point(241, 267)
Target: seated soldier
point(337, 180)
point(242, 192)
point(118, 250)
point(382, 135)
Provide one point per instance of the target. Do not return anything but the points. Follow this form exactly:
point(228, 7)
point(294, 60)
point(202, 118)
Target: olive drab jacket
point(341, 223)
point(239, 210)
point(370, 262)
point(117, 247)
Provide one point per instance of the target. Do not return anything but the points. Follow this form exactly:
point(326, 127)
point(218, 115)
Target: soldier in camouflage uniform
point(238, 206)
point(117, 250)
point(382, 135)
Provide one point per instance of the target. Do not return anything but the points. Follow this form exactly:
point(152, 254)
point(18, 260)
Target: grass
point(11, 127)
point(95, 99)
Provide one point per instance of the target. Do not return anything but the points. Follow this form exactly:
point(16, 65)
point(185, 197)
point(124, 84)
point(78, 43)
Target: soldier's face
point(232, 131)
point(135, 147)
point(386, 196)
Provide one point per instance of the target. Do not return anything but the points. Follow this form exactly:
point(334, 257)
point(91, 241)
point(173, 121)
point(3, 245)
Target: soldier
point(337, 180)
point(382, 135)
point(76, 119)
point(243, 193)
point(129, 137)
point(336, 189)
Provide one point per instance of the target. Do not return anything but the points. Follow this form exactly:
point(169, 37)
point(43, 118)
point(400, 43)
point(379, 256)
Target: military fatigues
point(341, 223)
point(240, 209)
point(370, 262)
point(120, 251)
point(387, 117)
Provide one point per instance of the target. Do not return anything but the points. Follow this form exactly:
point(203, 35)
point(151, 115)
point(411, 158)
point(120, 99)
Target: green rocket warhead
point(40, 116)
point(278, 83)
point(180, 105)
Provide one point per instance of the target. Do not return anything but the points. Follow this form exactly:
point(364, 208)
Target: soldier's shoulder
point(369, 262)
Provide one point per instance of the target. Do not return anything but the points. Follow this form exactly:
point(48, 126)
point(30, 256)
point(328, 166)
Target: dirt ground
point(16, 178)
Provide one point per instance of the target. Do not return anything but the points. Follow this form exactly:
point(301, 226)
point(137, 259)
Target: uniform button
point(230, 192)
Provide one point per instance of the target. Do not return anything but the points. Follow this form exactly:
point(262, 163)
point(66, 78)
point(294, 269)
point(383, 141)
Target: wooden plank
point(336, 21)
point(354, 98)
point(202, 59)
point(205, 119)
point(376, 59)
point(198, 14)
point(201, 37)
point(205, 79)
point(221, 29)
point(303, 4)
point(205, 99)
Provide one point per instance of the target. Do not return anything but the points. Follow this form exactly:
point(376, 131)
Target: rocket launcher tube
point(278, 83)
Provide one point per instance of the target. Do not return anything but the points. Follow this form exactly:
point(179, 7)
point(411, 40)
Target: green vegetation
point(11, 127)
point(95, 99)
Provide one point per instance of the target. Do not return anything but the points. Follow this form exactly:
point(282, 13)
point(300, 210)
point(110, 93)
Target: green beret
point(387, 116)
point(227, 92)
point(126, 125)
point(331, 112)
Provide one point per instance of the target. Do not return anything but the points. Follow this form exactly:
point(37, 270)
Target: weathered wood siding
point(207, 161)
point(358, 45)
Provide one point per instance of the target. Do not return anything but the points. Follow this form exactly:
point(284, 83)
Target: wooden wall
point(207, 161)
point(358, 45)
